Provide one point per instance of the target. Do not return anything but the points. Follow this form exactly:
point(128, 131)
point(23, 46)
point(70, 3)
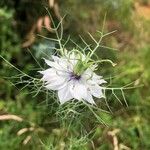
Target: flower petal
point(53, 64)
point(47, 71)
point(78, 90)
point(56, 58)
point(89, 98)
point(96, 91)
point(64, 94)
point(56, 84)
point(48, 74)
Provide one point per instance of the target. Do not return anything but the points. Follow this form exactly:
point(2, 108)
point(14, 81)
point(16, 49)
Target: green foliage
point(75, 127)
point(9, 41)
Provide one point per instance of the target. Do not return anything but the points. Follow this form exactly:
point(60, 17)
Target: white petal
point(64, 95)
point(94, 79)
point(53, 64)
point(48, 74)
point(47, 71)
point(89, 98)
point(87, 75)
point(101, 81)
point(50, 79)
point(78, 90)
point(96, 91)
point(63, 63)
point(98, 79)
point(55, 58)
point(56, 84)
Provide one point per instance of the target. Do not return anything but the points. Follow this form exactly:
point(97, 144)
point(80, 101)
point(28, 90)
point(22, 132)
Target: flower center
point(74, 76)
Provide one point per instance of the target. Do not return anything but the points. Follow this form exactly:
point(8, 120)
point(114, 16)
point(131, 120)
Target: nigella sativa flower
point(72, 78)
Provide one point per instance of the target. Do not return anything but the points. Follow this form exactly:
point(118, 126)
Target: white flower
point(61, 77)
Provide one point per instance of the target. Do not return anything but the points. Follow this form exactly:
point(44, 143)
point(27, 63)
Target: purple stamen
point(74, 76)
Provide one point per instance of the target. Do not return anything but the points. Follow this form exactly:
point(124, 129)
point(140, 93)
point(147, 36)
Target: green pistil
point(80, 67)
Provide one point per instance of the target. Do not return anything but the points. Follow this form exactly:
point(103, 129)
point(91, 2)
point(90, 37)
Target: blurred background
point(27, 122)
